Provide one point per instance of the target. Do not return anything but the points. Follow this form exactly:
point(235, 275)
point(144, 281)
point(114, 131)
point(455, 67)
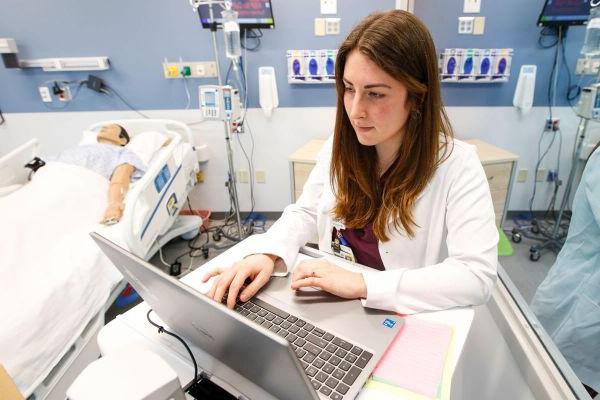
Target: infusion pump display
point(221, 103)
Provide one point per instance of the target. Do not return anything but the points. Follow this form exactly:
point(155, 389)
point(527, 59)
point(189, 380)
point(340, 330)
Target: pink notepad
point(416, 357)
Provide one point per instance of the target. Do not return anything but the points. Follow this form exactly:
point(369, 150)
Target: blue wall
point(138, 34)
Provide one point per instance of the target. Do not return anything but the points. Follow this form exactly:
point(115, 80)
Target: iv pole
point(231, 184)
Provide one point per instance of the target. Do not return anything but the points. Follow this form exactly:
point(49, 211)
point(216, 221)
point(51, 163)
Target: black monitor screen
point(251, 14)
point(564, 12)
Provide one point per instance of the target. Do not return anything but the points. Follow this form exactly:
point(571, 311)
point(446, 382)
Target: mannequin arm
point(119, 185)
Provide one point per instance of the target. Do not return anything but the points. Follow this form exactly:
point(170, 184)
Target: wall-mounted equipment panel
point(311, 66)
point(475, 65)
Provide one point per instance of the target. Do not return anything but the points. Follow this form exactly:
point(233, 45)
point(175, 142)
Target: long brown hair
point(401, 46)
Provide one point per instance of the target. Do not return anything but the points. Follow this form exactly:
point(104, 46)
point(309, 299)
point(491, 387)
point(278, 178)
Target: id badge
point(339, 244)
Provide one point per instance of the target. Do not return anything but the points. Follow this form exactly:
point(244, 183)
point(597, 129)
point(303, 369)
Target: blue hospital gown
point(101, 158)
point(567, 302)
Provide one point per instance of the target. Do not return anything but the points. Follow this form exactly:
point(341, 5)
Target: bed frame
point(150, 217)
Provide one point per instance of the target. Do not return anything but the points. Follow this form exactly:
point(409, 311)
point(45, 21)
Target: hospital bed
point(56, 284)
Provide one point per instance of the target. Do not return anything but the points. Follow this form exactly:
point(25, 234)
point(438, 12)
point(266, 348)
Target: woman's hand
point(326, 276)
point(257, 267)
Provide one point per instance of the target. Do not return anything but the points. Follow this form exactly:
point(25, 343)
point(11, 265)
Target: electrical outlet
point(552, 124)
point(260, 176)
point(522, 175)
point(243, 176)
point(472, 6)
point(465, 25)
point(328, 6)
point(45, 94)
point(541, 175)
point(65, 95)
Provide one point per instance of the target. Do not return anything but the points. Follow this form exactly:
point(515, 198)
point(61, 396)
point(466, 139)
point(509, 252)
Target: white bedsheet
point(53, 277)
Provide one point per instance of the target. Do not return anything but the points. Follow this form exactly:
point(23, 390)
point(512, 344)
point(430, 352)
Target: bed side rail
point(13, 173)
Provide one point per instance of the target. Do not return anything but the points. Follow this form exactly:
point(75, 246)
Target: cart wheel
point(516, 237)
point(534, 255)
point(216, 236)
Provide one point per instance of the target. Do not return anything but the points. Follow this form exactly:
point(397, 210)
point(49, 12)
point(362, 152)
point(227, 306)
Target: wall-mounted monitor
point(564, 12)
point(251, 14)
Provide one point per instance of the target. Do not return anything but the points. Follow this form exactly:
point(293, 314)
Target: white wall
point(289, 128)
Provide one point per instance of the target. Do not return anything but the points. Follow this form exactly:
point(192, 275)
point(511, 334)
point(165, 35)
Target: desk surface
point(488, 154)
point(132, 328)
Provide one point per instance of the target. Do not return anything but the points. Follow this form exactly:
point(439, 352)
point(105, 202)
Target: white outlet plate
point(319, 26)
point(243, 176)
point(260, 176)
point(328, 6)
point(465, 25)
point(406, 5)
point(472, 6)
point(45, 94)
point(541, 175)
point(332, 26)
point(479, 26)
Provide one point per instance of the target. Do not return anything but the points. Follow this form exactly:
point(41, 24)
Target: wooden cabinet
point(499, 166)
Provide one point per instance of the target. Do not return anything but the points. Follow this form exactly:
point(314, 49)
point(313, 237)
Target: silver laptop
point(293, 345)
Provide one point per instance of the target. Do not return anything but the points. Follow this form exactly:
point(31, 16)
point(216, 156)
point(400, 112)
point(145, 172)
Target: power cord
point(111, 90)
point(161, 329)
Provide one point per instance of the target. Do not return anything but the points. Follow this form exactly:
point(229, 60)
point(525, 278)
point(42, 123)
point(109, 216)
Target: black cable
point(548, 32)
point(113, 90)
point(2, 120)
point(570, 97)
point(161, 329)
point(252, 34)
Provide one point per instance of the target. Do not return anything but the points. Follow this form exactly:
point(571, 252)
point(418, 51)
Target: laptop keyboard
point(332, 364)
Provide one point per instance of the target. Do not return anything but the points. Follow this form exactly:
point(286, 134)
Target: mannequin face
point(109, 134)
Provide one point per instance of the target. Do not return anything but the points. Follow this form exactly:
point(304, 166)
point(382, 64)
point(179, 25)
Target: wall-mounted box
point(311, 66)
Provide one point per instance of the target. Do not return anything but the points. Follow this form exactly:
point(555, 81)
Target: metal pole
point(578, 143)
point(231, 176)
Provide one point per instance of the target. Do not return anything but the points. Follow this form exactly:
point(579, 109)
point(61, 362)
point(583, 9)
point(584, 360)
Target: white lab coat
point(567, 302)
point(452, 259)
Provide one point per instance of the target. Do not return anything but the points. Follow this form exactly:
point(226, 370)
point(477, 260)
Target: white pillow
point(146, 144)
point(89, 137)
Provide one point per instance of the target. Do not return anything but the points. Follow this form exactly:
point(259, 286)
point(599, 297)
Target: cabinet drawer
point(301, 173)
point(498, 175)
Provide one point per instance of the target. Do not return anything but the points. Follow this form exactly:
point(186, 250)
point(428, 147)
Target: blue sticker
point(389, 323)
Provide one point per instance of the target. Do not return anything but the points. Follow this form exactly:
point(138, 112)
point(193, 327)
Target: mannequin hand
point(257, 267)
point(113, 214)
point(324, 275)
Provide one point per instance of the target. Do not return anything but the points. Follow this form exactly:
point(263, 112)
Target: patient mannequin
point(119, 182)
point(110, 158)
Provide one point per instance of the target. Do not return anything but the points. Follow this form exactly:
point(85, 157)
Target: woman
point(392, 189)
point(567, 302)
